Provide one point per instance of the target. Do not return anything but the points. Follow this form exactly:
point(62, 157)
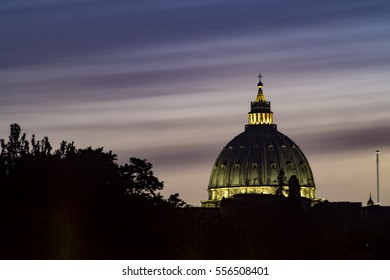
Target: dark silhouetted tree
point(294, 189)
point(77, 203)
point(139, 179)
point(176, 201)
point(281, 182)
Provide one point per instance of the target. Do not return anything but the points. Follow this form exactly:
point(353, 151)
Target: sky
point(172, 81)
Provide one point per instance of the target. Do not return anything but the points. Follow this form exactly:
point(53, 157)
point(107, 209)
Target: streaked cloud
point(171, 81)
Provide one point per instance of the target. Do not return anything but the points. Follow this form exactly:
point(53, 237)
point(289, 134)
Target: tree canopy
point(81, 194)
point(93, 168)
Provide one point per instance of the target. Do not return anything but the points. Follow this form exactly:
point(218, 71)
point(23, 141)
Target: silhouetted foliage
point(74, 203)
point(140, 180)
point(176, 201)
point(281, 181)
point(294, 188)
point(71, 203)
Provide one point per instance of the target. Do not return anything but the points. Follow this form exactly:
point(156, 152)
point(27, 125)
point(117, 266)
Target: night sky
point(171, 81)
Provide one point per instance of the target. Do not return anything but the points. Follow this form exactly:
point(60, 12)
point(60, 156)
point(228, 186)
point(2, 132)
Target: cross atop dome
point(260, 95)
point(260, 84)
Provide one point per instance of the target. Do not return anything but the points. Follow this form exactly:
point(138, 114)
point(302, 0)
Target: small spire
point(370, 201)
point(260, 113)
point(260, 84)
point(260, 95)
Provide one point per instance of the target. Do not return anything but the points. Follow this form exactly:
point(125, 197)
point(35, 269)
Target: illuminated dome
point(260, 160)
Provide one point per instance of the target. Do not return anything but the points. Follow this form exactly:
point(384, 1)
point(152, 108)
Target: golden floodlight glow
point(260, 161)
point(219, 193)
point(259, 118)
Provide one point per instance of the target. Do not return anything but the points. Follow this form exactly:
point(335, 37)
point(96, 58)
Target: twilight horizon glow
point(172, 82)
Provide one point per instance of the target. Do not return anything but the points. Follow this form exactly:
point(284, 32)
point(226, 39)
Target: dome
point(260, 160)
point(370, 202)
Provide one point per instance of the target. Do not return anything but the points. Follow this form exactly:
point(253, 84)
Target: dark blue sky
point(171, 81)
